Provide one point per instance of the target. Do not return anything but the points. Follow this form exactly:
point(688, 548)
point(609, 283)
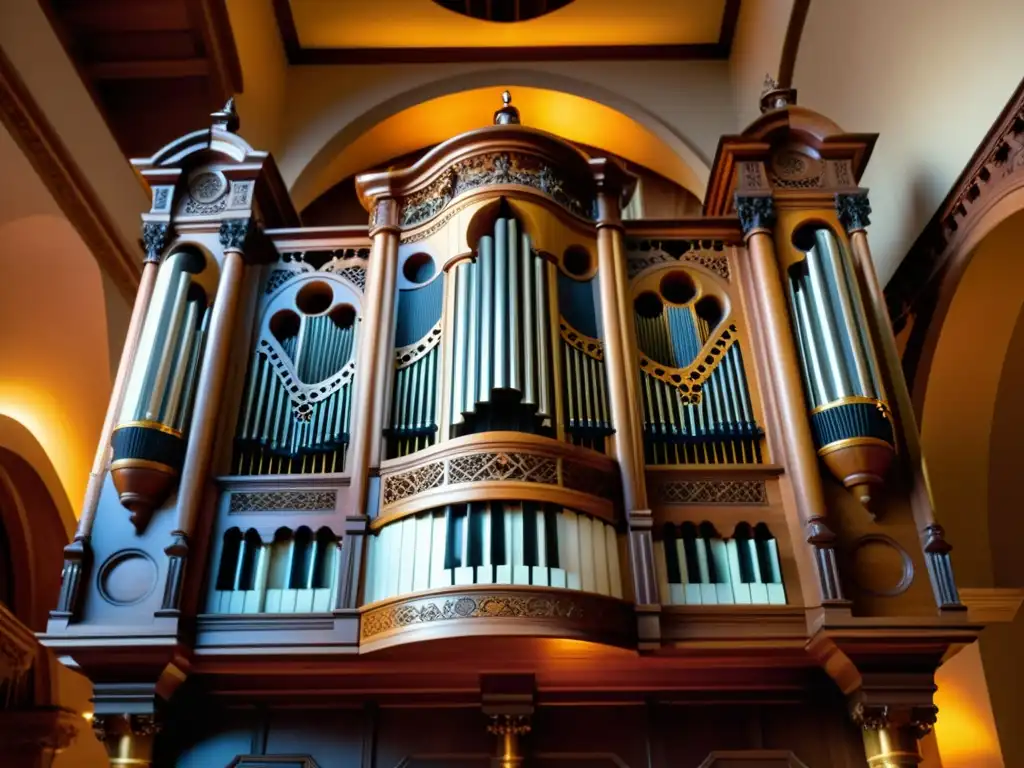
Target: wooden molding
point(299, 55)
point(72, 191)
point(934, 264)
point(991, 606)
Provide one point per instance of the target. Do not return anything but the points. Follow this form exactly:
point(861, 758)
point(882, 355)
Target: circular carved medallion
point(881, 567)
point(207, 187)
point(128, 577)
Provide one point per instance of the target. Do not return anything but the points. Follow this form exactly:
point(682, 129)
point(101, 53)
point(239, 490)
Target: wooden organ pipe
point(503, 359)
point(849, 414)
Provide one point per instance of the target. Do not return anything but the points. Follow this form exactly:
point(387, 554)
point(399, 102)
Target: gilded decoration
point(585, 344)
point(278, 501)
point(710, 254)
point(348, 263)
point(470, 606)
point(689, 381)
point(714, 492)
point(526, 467)
point(404, 484)
point(485, 170)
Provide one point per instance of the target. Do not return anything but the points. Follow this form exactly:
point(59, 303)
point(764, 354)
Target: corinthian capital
point(755, 212)
point(854, 210)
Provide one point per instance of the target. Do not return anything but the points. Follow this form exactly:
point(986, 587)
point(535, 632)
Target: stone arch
point(321, 141)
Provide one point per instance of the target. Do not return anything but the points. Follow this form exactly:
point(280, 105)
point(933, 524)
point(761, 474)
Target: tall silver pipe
point(570, 404)
point(824, 318)
point(473, 340)
point(416, 395)
point(515, 352)
point(172, 402)
point(253, 393)
point(460, 341)
point(808, 347)
point(543, 338)
point(486, 288)
point(529, 313)
point(431, 399)
point(170, 339)
point(501, 334)
point(827, 244)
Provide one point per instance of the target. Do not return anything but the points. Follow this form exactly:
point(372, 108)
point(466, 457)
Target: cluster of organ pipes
point(588, 418)
point(496, 542)
point(414, 414)
point(696, 566)
point(502, 345)
point(162, 389)
point(294, 573)
point(296, 411)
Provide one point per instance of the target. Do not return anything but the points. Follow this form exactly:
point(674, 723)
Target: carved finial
point(226, 118)
point(774, 96)
point(507, 115)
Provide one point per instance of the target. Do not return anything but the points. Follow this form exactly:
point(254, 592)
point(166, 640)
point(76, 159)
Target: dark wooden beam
point(299, 55)
point(148, 70)
point(791, 44)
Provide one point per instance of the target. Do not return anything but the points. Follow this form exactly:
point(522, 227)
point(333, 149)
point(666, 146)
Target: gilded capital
point(755, 212)
point(384, 214)
point(854, 211)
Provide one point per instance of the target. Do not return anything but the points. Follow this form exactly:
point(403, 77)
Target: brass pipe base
point(892, 747)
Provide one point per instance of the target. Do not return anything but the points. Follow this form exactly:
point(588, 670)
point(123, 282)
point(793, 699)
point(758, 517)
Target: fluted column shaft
point(757, 217)
point(374, 356)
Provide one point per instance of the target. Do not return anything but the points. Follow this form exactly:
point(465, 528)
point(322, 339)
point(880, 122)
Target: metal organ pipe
point(849, 419)
point(502, 356)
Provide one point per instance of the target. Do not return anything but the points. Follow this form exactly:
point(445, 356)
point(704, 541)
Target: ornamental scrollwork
point(404, 484)
point(526, 467)
point(154, 239)
point(710, 254)
point(714, 492)
point(485, 170)
point(233, 233)
point(277, 501)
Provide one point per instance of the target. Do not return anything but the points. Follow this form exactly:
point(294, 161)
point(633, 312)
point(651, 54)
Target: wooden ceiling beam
point(119, 16)
point(210, 18)
point(145, 70)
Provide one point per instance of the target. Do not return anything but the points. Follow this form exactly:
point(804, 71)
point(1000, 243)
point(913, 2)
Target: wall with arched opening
point(972, 422)
point(681, 107)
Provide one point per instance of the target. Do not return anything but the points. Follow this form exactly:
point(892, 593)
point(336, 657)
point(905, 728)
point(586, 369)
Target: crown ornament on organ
point(226, 118)
point(507, 115)
point(774, 96)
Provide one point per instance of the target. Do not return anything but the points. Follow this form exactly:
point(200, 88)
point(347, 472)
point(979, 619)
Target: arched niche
point(322, 154)
point(34, 531)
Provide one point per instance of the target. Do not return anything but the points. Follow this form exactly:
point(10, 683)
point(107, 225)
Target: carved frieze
point(714, 492)
point(277, 501)
point(710, 254)
point(526, 467)
point(404, 484)
point(485, 170)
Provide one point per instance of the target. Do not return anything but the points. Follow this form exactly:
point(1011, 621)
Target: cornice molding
point(991, 606)
point(992, 172)
point(65, 181)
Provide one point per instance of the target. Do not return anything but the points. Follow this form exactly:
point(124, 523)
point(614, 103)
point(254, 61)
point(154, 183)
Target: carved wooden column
point(373, 358)
point(209, 396)
point(619, 340)
point(854, 212)
point(76, 554)
point(128, 739)
point(757, 216)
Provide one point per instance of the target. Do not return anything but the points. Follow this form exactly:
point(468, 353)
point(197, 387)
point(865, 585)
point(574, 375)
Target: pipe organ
point(501, 442)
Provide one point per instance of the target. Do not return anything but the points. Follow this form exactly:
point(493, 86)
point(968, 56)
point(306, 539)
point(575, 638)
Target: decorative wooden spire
point(507, 115)
point(774, 96)
point(226, 118)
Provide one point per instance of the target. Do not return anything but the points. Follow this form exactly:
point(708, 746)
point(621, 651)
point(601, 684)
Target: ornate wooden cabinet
point(501, 477)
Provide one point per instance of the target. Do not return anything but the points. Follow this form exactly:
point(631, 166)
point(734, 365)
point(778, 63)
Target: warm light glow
point(966, 729)
point(563, 114)
point(421, 24)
